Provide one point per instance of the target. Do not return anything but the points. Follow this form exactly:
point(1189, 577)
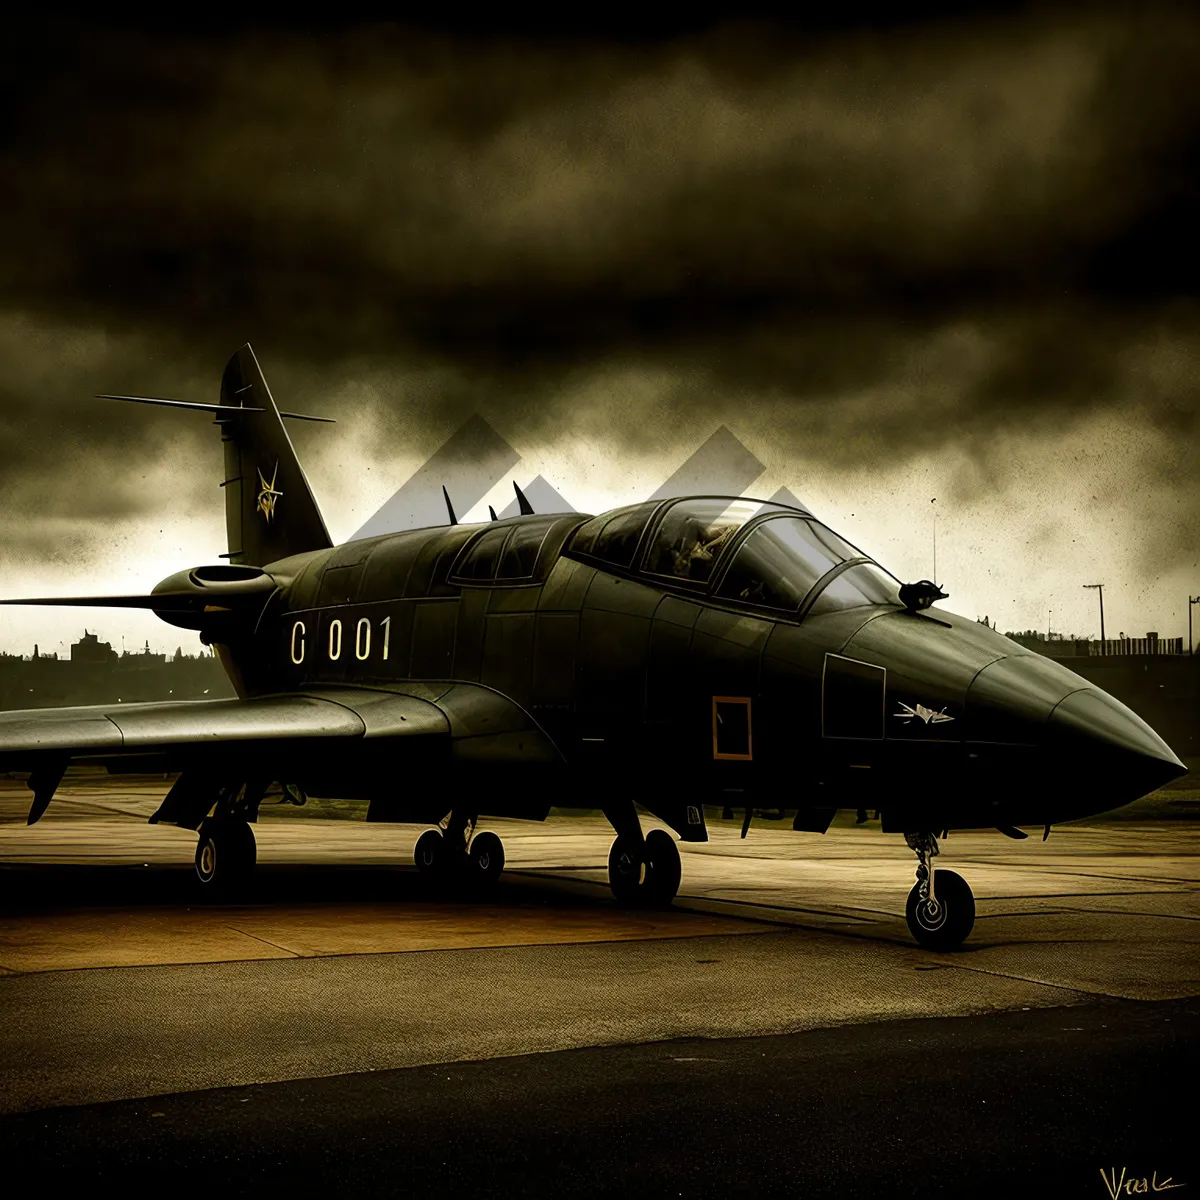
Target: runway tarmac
point(342, 964)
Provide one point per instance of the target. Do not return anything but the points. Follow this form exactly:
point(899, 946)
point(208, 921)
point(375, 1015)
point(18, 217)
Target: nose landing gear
point(941, 907)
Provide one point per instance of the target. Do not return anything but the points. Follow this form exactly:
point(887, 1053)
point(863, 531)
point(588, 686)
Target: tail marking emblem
point(267, 495)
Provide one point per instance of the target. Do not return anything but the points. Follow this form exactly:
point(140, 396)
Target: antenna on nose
point(449, 506)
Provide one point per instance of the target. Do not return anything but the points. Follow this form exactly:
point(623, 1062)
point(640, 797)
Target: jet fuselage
point(659, 689)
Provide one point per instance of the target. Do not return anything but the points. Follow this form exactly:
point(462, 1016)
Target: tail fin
point(270, 511)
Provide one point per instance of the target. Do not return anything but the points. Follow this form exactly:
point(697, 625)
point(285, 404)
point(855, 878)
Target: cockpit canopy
point(747, 553)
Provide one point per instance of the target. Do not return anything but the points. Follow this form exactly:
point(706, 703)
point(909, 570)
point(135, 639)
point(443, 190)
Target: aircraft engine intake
point(218, 601)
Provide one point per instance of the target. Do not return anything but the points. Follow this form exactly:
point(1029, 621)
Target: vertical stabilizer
point(270, 511)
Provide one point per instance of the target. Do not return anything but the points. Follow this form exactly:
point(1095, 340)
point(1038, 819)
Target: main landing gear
point(226, 852)
point(941, 908)
point(457, 856)
point(642, 871)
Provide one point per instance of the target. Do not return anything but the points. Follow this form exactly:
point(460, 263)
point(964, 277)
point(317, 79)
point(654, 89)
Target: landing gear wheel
point(663, 870)
point(944, 922)
point(430, 852)
point(626, 869)
point(225, 854)
point(485, 859)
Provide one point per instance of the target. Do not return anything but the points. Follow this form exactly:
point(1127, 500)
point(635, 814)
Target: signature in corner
point(1130, 1186)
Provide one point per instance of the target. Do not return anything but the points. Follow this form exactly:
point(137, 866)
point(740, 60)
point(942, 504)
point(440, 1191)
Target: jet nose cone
point(1123, 755)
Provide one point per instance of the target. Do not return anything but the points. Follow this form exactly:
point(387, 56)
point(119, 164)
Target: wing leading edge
point(272, 736)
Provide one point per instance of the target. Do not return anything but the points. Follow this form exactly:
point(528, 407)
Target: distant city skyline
point(92, 647)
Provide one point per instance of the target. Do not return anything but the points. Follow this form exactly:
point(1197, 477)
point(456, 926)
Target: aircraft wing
point(171, 728)
point(269, 736)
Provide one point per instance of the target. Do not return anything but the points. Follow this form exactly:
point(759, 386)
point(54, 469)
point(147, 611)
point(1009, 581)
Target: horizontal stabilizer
point(223, 410)
point(211, 599)
point(164, 603)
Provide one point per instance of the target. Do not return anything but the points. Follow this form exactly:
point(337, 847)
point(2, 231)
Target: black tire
point(226, 854)
point(485, 859)
point(663, 869)
point(947, 926)
point(626, 869)
point(430, 852)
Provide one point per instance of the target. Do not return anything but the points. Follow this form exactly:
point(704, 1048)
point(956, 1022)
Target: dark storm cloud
point(72, 465)
point(982, 223)
point(384, 184)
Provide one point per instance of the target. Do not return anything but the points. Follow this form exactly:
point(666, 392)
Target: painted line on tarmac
point(1123, 912)
point(1062, 987)
point(1112, 877)
point(742, 908)
point(784, 915)
point(273, 945)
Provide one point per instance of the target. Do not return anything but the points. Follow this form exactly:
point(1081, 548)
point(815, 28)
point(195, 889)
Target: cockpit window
point(521, 550)
point(619, 538)
point(692, 534)
point(862, 584)
point(505, 554)
point(614, 537)
point(780, 560)
point(484, 557)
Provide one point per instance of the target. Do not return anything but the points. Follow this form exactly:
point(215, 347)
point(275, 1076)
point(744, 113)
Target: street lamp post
point(934, 501)
point(1100, 588)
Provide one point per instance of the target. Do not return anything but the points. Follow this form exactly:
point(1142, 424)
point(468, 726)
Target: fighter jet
point(672, 655)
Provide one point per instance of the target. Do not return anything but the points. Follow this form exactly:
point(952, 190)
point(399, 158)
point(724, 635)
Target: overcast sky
point(941, 257)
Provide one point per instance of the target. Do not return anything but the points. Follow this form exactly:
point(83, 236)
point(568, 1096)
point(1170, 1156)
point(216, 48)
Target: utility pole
point(1100, 588)
point(1049, 614)
point(1191, 601)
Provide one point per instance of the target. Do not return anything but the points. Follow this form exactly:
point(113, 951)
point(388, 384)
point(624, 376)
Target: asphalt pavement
point(1050, 1102)
point(344, 1026)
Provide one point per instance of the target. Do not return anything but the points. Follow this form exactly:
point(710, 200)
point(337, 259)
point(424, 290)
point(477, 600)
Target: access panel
point(852, 703)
